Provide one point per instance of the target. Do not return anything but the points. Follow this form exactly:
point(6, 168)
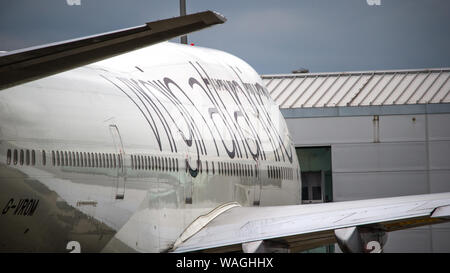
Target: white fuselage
point(136, 148)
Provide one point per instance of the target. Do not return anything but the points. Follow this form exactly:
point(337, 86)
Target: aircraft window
point(113, 160)
point(69, 159)
point(176, 163)
point(21, 158)
point(170, 164)
point(74, 159)
point(63, 158)
point(33, 157)
point(212, 167)
point(107, 161)
point(152, 166)
point(165, 164)
point(8, 157)
point(102, 160)
point(15, 157)
point(144, 163)
point(251, 170)
point(96, 165)
point(89, 162)
point(44, 158)
point(119, 161)
point(159, 163)
point(53, 158)
point(27, 157)
point(133, 163)
point(58, 158)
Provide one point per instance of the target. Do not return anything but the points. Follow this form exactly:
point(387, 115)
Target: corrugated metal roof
point(391, 87)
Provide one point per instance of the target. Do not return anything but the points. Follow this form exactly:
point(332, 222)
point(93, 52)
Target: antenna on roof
point(183, 39)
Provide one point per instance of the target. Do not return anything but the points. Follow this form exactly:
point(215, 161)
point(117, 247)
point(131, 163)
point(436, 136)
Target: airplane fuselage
point(124, 154)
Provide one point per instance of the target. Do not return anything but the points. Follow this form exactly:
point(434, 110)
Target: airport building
point(371, 134)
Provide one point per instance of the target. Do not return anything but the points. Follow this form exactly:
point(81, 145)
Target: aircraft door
point(120, 177)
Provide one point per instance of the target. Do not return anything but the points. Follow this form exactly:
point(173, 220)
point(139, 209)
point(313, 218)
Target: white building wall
point(398, 155)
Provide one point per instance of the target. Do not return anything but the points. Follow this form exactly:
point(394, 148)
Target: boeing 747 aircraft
point(123, 142)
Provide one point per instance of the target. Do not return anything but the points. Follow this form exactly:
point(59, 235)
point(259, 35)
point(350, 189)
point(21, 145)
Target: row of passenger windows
point(86, 159)
point(65, 158)
point(144, 162)
point(22, 157)
point(280, 172)
point(139, 162)
point(236, 169)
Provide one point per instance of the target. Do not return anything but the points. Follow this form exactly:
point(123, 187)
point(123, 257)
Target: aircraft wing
point(29, 64)
point(301, 227)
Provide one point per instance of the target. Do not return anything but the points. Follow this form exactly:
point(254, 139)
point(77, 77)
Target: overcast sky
point(272, 36)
